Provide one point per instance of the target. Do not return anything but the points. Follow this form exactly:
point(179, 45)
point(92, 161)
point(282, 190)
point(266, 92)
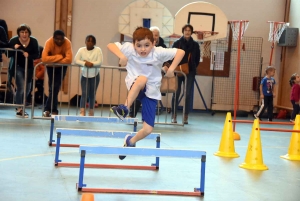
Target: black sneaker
point(20, 114)
point(127, 144)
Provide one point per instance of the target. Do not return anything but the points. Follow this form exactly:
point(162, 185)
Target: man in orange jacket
point(57, 49)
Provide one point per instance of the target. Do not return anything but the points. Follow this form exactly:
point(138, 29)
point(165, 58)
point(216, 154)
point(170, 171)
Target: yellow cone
point(294, 148)
point(226, 148)
point(87, 197)
point(254, 158)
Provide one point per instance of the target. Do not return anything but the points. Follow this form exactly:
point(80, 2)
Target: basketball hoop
point(238, 26)
point(204, 38)
point(276, 29)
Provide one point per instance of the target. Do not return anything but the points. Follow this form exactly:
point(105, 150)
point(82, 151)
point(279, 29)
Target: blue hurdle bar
point(88, 119)
point(104, 134)
point(141, 152)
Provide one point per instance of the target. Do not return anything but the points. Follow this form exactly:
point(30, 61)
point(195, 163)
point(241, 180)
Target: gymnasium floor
point(28, 173)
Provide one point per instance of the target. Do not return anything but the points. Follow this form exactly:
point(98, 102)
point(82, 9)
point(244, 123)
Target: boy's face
point(271, 72)
point(143, 47)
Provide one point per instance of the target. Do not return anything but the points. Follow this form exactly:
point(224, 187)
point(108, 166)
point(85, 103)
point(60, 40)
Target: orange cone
point(226, 148)
point(294, 148)
point(236, 136)
point(254, 159)
point(87, 197)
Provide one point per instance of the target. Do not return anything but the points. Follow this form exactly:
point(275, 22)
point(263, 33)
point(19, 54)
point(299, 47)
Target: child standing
point(89, 57)
point(267, 93)
point(143, 62)
point(295, 94)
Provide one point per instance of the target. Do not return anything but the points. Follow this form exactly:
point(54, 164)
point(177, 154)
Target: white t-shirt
point(149, 66)
point(94, 56)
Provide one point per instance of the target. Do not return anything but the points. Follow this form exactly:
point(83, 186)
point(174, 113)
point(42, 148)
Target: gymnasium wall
point(100, 18)
point(292, 59)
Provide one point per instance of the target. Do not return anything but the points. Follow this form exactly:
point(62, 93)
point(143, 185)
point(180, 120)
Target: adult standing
point(23, 41)
point(57, 49)
point(191, 48)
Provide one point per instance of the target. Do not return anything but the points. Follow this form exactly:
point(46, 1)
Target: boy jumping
point(143, 62)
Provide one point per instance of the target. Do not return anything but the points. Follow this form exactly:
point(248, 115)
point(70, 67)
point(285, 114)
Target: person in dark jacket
point(3, 38)
point(190, 46)
point(23, 41)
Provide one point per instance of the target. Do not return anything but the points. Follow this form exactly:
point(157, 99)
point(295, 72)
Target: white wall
point(100, 18)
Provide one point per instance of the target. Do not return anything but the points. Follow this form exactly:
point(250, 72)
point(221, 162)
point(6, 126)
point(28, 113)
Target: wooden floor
point(28, 171)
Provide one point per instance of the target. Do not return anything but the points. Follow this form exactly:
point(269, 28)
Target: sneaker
point(270, 119)
point(96, 104)
point(20, 114)
point(292, 120)
point(127, 144)
point(46, 114)
point(120, 111)
point(54, 113)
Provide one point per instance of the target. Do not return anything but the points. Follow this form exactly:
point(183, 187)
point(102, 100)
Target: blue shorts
point(148, 107)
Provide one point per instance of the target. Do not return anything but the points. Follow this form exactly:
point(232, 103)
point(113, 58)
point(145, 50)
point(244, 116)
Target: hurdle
point(141, 152)
point(104, 134)
point(264, 122)
point(87, 119)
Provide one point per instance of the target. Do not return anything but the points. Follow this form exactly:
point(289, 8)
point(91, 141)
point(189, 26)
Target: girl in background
point(89, 57)
point(295, 93)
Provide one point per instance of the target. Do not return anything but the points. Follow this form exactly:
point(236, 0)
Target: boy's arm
point(114, 49)
point(274, 90)
point(46, 55)
point(178, 57)
point(261, 91)
point(68, 55)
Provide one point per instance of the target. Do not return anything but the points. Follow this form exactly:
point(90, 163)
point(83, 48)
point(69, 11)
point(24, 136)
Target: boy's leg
point(261, 109)
point(148, 117)
point(121, 111)
point(270, 108)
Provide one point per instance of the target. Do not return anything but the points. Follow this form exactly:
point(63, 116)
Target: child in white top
point(90, 58)
point(143, 62)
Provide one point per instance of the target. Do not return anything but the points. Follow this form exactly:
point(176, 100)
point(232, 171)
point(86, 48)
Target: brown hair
point(142, 33)
point(187, 25)
point(23, 27)
point(293, 78)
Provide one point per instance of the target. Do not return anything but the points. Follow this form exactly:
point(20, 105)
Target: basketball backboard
point(202, 16)
point(150, 11)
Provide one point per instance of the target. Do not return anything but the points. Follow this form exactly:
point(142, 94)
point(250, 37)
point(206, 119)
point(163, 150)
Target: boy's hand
point(169, 73)
point(123, 61)
point(274, 95)
point(262, 96)
point(165, 69)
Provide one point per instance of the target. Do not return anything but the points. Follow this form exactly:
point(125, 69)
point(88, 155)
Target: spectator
point(191, 47)
point(89, 57)
point(57, 49)
point(39, 81)
point(23, 41)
